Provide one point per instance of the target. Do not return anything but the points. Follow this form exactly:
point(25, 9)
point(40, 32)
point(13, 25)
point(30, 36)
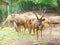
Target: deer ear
point(43, 19)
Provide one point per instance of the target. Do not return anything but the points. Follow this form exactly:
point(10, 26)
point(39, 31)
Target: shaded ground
point(51, 36)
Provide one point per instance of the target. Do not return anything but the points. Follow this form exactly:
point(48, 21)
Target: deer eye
point(43, 19)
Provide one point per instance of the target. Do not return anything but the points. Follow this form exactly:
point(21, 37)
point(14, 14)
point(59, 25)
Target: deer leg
point(37, 33)
point(16, 27)
point(29, 30)
point(34, 31)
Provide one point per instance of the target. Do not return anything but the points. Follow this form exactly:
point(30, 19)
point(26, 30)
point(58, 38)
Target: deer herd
point(27, 20)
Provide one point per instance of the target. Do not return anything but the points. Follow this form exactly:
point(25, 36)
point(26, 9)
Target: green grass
point(7, 34)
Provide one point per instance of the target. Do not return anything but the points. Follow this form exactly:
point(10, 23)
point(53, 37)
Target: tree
point(19, 5)
point(52, 3)
point(58, 8)
point(3, 10)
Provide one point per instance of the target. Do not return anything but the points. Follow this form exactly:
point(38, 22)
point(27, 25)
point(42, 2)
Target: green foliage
point(3, 9)
point(0, 11)
point(52, 3)
point(20, 5)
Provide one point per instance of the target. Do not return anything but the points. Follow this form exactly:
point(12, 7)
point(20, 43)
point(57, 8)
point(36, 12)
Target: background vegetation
point(15, 6)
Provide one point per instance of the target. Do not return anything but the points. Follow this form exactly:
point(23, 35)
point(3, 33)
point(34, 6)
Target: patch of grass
point(43, 42)
point(8, 33)
point(26, 34)
point(4, 43)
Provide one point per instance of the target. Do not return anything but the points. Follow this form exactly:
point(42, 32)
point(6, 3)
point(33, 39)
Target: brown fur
point(27, 20)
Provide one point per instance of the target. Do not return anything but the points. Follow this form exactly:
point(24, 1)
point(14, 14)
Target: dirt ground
point(51, 36)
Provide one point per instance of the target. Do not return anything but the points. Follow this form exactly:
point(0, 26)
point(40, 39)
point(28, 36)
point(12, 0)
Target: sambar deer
point(27, 20)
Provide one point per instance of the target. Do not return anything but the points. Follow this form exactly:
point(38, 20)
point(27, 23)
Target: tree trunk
point(3, 12)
